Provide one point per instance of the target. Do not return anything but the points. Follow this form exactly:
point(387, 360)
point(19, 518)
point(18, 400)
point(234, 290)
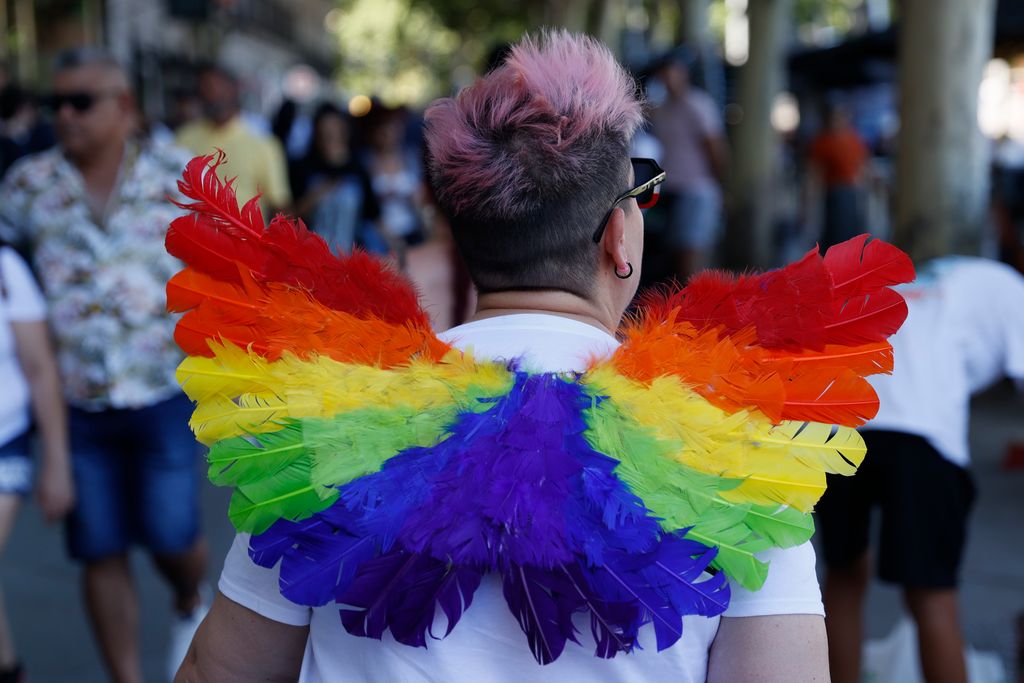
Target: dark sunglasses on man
point(81, 102)
point(648, 177)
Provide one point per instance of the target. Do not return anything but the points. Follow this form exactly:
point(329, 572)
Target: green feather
point(244, 459)
point(255, 506)
point(683, 498)
point(355, 444)
point(784, 526)
point(294, 472)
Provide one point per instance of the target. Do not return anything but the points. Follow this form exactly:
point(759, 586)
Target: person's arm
point(235, 644)
point(55, 490)
point(769, 649)
point(717, 152)
point(708, 119)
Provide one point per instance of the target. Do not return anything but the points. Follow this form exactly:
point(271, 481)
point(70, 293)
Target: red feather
point(215, 253)
point(794, 343)
point(858, 266)
point(866, 318)
point(358, 284)
point(218, 236)
point(786, 307)
point(842, 299)
point(216, 200)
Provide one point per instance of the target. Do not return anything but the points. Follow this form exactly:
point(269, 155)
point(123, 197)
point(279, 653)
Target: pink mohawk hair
point(530, 125)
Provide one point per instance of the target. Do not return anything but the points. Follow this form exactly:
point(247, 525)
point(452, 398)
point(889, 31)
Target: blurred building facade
point(162, 41)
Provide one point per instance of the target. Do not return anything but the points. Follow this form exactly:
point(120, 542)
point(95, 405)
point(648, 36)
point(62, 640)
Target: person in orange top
point(838, 155)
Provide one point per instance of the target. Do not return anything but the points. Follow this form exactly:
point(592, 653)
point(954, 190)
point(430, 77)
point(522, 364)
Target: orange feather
point(274, 318)
point(733, 373)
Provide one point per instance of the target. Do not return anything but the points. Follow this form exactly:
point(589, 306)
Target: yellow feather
point(783, 463)
point(239, 393)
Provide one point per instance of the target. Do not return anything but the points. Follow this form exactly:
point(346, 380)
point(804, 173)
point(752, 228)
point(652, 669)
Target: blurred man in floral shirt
point(93, 214)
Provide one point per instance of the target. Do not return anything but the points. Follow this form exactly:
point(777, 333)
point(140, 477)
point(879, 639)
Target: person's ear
point(614, 240)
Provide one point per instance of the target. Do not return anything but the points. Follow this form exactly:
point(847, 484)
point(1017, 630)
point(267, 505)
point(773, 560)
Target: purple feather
point(543, 603)
point(515, 489)
point(664, 584)
point(614, 625)
point(400, 591)
point(504, 492)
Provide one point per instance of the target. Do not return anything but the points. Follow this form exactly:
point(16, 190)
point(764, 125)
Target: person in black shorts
point(924, 501)
point(965, 330)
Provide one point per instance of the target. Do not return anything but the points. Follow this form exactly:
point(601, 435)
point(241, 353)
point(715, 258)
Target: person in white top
point(28, 370)
point(553, 246)
point(689, 126)
point(964, 331)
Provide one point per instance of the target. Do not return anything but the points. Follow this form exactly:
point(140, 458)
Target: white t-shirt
point(487, 645)
point(20, 301)
point(682, 126)
point(964, 331)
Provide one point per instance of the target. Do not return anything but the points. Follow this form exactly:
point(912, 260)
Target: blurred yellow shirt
point(255, 160)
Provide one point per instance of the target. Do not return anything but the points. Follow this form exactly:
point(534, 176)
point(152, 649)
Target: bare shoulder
point(235, 643)
point(768, 649)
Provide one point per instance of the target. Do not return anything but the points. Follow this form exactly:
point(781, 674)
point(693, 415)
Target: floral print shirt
point(104, 278)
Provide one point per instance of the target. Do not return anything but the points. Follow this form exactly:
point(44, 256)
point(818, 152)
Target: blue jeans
point(694, 217)
point(137, 480)
point(16, 465)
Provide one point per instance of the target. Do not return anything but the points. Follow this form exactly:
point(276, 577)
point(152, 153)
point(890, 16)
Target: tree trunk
point(693, 22)
point(570, 14)
point(607, 18)
point(942, 172)
point(708, 71)
point(750, 226)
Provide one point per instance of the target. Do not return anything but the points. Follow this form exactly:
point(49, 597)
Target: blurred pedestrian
point(839, 157)
point(185, 108)
point(688, 124)
point(333, 191)
point(965, 330)
point(93, 214)
point(28, 370)
point(397, 174)
point(255, 159)
point(283, 122)
point(22, 129)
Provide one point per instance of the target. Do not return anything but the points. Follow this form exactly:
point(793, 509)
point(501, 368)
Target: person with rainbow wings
point(552, 480)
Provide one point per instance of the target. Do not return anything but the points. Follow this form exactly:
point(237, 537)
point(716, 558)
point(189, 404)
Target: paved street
point(41, 586)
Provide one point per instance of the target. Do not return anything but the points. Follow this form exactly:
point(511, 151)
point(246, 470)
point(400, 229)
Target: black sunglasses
point(648, 176)
point(81, 102)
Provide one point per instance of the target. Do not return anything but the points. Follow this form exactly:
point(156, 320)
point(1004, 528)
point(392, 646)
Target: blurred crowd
point(83, 212)
point(87, 347)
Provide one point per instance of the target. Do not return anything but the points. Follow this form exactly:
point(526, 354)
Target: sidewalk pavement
point(42, 587)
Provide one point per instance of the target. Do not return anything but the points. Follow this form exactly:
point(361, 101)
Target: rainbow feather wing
point(516, 489)
point(756, 383)
point(381, 470)
point(290, 346)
